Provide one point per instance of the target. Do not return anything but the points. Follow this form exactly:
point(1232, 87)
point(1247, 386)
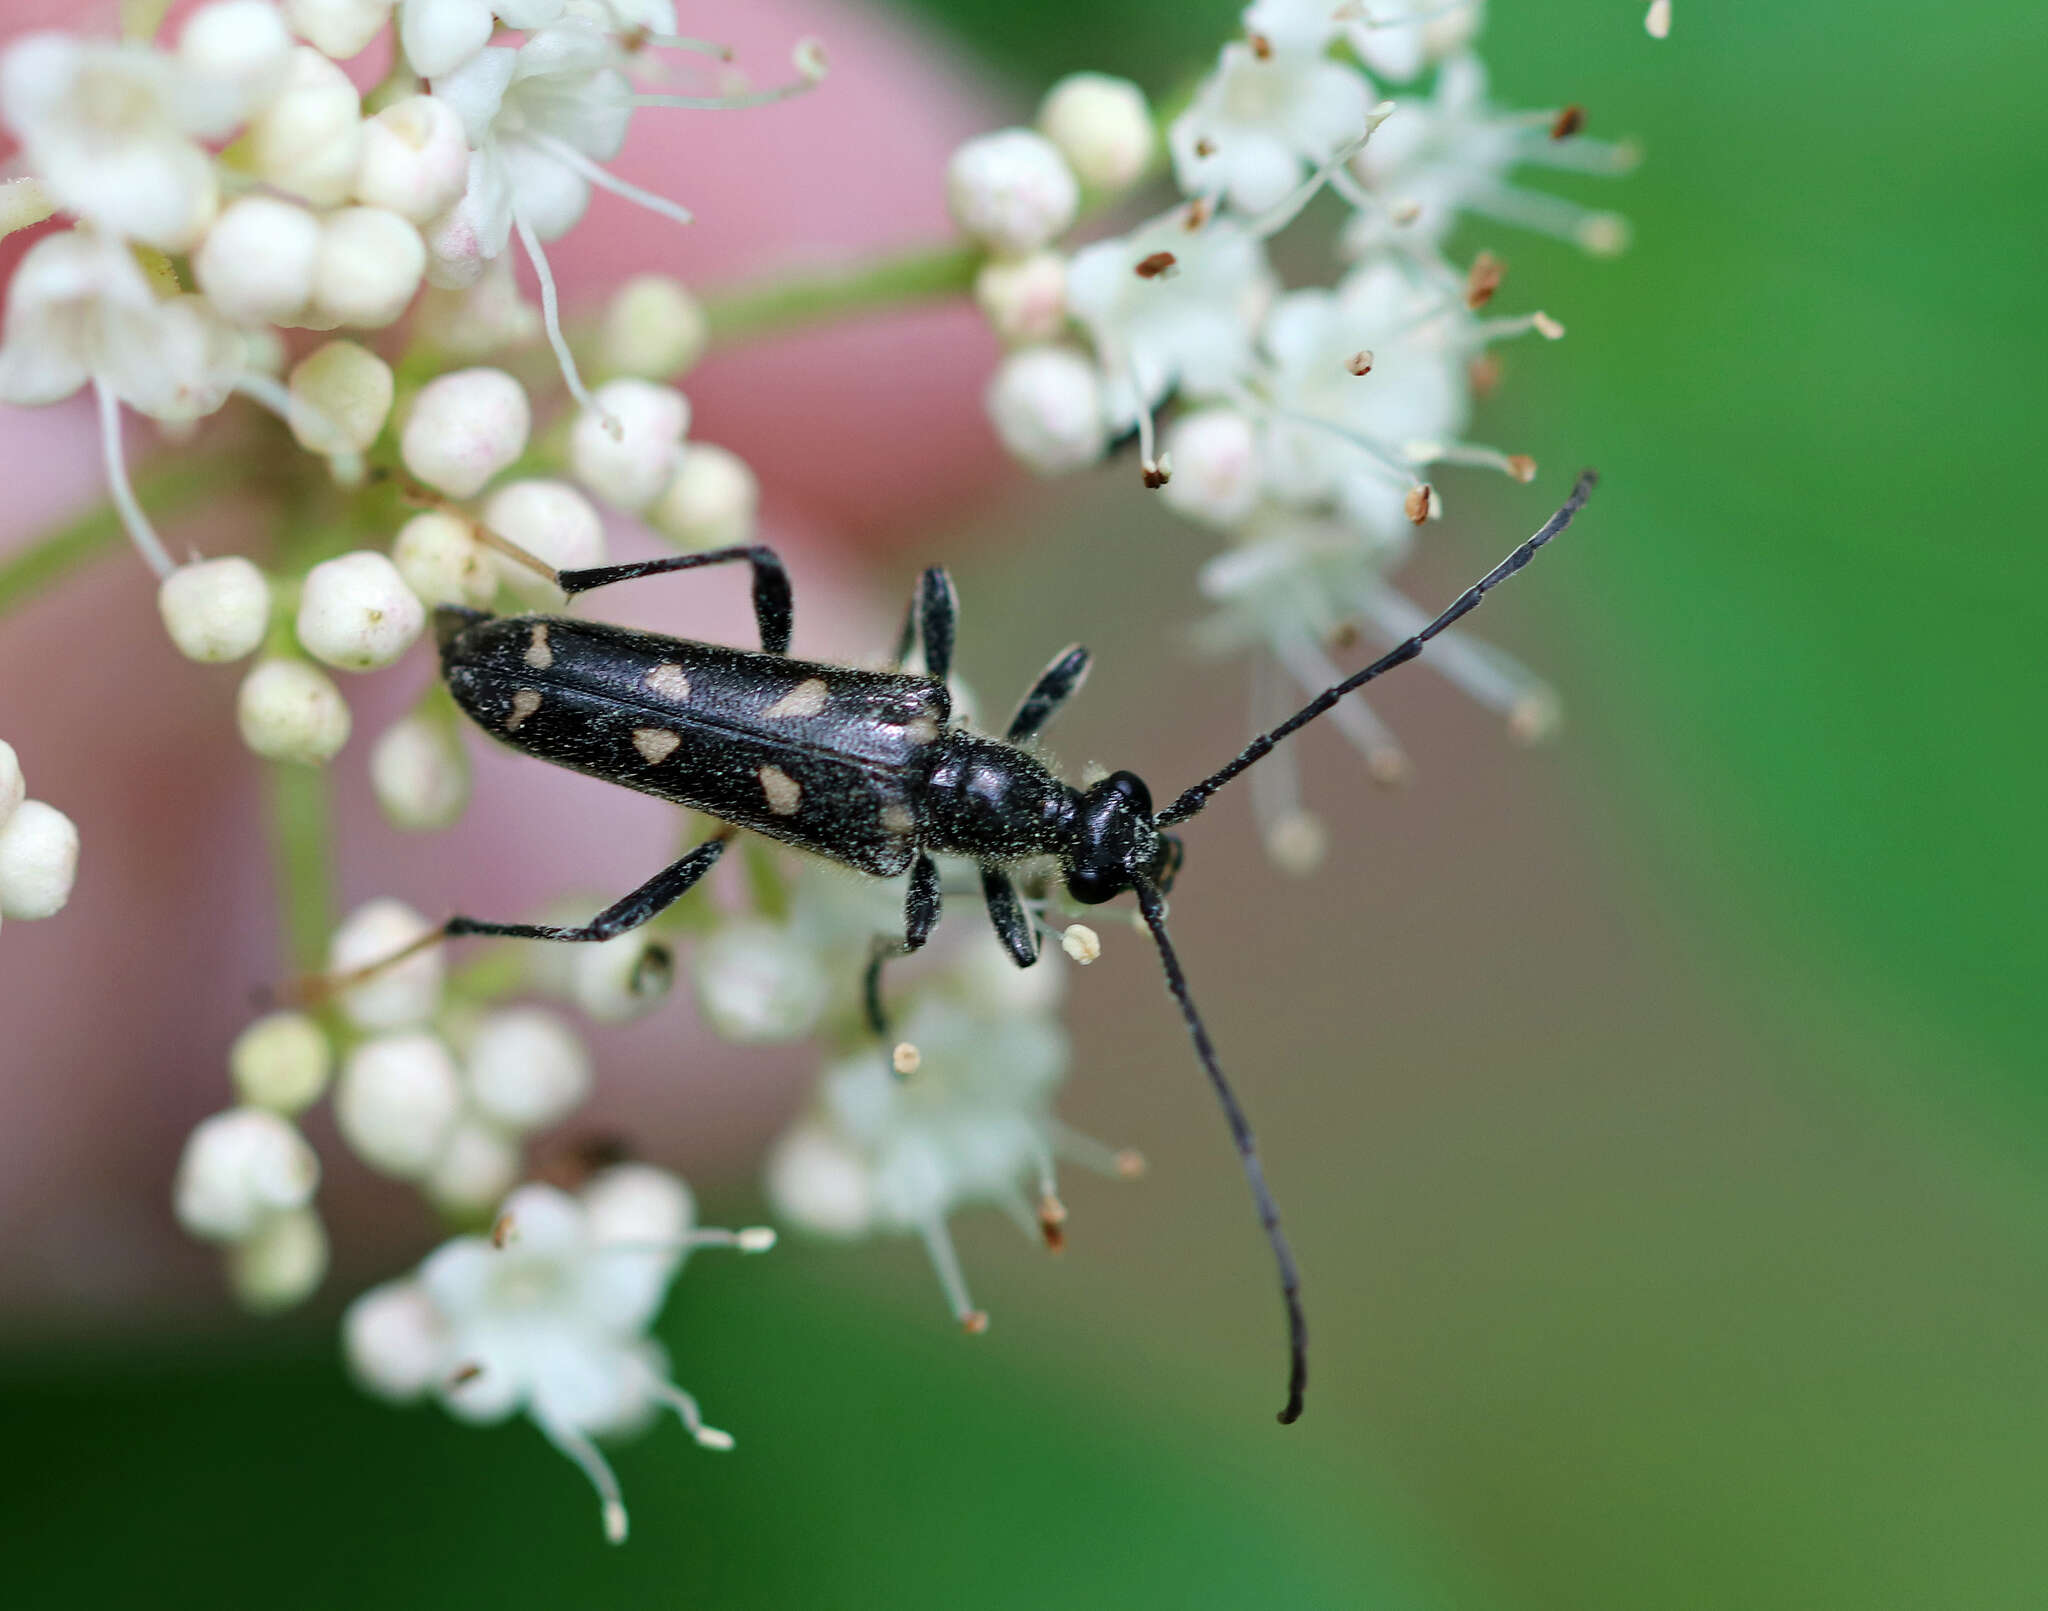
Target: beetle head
point(1116, 842)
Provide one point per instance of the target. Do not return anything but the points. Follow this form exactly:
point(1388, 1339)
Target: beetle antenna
point(1154, 908)
point(1259, 748)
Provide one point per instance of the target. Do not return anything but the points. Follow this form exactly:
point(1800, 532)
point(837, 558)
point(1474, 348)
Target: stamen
point(1283, 212)
point(938, 1243)
point(1052, 1222)
point(1092, 1155)
point(808, 58)
point(696, 47)
point(1602, 234)
point(602, 177)
point(551, 317)
point(748, 1239)
point(685, 1406)
point(586, 1455)
point(1516, 466)
point(140, 531)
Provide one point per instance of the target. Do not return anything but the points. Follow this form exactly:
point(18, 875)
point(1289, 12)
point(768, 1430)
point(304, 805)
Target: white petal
point(475, 88)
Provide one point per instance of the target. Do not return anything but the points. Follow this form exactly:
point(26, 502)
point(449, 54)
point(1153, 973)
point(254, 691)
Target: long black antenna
point(1154, 908)
point(1257, 750)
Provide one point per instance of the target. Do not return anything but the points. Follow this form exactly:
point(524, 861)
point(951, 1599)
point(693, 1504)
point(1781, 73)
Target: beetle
point(867, 769)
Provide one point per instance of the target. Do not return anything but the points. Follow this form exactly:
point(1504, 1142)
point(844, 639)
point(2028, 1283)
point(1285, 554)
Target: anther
point(505, 1232)
point(906, 1059)
point(1546, 327)
point(1198, 213)
point(1569, 122)
point(1262, 47)
point(1130, 1164)
point(754, 1238)
point(1418, 503)
point(1156, 266)
point(1487, 273)
point(974, 1322)
point(1658, 22)
point(1205, 147)
point(1052, 1223)
point(464, 1374)
point(1522, 467)
point(1360, 363)
point(1081, 943)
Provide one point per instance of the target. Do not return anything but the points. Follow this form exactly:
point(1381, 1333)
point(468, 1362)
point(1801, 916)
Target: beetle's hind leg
point(774, 604)
point(920, 913)
point(1011, 917)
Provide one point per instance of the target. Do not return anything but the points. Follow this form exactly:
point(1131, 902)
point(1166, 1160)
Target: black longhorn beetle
point(863, 768)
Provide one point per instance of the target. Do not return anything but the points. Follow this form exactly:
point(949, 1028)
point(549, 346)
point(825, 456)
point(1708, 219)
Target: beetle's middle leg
point(920, 913)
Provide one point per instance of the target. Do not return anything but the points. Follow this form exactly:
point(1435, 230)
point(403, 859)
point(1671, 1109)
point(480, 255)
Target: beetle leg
point(774, 606)
point(1058, 683)
point(920, 913)
point(661, 891)
point(1006, 910)
point(931, 620)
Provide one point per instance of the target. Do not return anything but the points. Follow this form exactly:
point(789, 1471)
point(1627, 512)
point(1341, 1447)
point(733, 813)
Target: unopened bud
point(464, 428)
point(527, 1068)
point(1011, 190)
point(552, 521)
point(710, 502)
point(629, 468)
point(338, 28)
point(415, 159)
point(397, 1102)
point(356, 612)
point(281, 1062)
point(1025, 299)
point(282, 1264)
point(420, 774)
point(477, 1166)
point(240, 1168)
point(394, 997)
point(215, 609)
point(1102, 126)
point(305, 139)
point(441, 560)
point(290, 711)
point(256, 263)
point(653, 328)
point(1046, 405)
point(341, 396)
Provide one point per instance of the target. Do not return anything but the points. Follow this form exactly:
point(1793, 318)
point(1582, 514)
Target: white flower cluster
point(959, 1115)
point(38, 848)
point(243, 149)
point(547, 1316)
point(1308, 423)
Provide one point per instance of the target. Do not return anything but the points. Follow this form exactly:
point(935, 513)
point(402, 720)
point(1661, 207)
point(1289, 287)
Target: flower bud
point(1024, 299)
point(1103, 128)
point(240, 1168)
point(215, 609)
point(652, 328)
point(711, 500)
point(818, 1182)
point(477, 1167)
point(552, 521)
point(38, 861)
point(392, 1336)
point(305, 139)
point(617, 980)
point(420, 774)
point(415, 159)
point(397, 1102)
point(758, 982)
point(443, 562)
point(290, 711)
point(1011, 190)
point(464, 428)
point(281, 1264)
point(526, 1068)
point(256, 263)
point(397, 997)
point(464, 241)
point(356, 612)
point(369, 266)
point(629, 469)
point(239, 50)
point(337, 28)
point(636, 1202)
point(281, 1062)
point(1215, 456)
point(438, 38)
point(13, 787)
point(1046, 405)
point(341, 396)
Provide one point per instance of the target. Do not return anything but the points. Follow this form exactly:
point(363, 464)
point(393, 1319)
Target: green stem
point(168, 490)
point(299, 836)
point(926, 274)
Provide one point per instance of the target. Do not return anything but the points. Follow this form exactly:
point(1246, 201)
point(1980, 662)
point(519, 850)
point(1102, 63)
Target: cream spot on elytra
point(921, 729)
point(895, 819)
point(783, 791)
point(667, 679)
point(524, 704)
point(539, 654)
point(807, 698)
point(655, 744)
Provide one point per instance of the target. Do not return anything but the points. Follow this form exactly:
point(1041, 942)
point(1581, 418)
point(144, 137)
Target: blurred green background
point(1660, 1115)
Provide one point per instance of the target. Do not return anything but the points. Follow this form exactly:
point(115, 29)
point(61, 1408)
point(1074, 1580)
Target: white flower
point(415, 159)
point(282, 1062)
point(626, 444)
point(280, 1263)
point(438, 555)
point(397, 1101)
point(711, 500)
point(290, 711)
point(547, 1317)
point(759, 982)
point(526, 1068)
point(38, 861)
point(1262, 121)
point(1011, 190)
point(356, 612)
point(256, 263)
point(1395, 38)
point(240, 1168)
point(464, 428)
point(420, 774)
point(108, 129)
point(215, 609)
point(396, 997)
point(1187, 321)
point(1103, 128)
point(1046, 405)
point(653, 328)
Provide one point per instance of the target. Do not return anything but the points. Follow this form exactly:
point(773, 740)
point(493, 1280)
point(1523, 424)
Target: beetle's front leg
point(920, 913)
